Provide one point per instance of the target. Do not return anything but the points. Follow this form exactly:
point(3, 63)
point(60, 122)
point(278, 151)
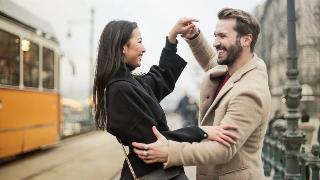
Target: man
point(182, 109)
point(234, 91)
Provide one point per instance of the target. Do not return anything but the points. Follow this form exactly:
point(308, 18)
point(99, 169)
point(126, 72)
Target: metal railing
point(273, 155)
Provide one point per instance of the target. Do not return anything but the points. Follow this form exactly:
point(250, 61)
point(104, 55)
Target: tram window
point(9, 59)
point(48, 68)
point(30, 63)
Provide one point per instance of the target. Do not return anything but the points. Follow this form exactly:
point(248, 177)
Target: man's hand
point(154, 152)
point(224, 134)
point(183, 26)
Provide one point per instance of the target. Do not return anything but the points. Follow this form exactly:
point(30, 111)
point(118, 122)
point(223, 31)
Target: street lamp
point(293, 137)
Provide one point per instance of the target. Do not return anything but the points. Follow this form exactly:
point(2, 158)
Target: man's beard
point(233, 52)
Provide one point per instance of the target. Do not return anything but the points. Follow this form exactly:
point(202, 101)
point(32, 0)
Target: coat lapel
point(209, 86)
point(229, 84)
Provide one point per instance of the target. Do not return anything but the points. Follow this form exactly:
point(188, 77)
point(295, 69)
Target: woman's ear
point(124, 49)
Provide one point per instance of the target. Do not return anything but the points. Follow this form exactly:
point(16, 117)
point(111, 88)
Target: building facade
point(272, 47)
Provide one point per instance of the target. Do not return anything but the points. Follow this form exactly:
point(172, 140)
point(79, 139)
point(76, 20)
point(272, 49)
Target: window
point(9, 59)
point(30, 63)
point(48, 68)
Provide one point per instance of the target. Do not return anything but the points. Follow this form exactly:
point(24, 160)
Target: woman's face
point(133, 49)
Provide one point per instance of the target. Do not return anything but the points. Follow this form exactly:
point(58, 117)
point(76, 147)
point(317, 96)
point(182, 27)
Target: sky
point(154, 18)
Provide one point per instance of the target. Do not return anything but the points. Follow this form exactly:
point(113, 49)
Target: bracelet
point(205, 135)
point(195, 36)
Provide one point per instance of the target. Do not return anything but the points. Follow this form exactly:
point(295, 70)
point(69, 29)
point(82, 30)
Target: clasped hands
point(159, 150)
point(185, 27)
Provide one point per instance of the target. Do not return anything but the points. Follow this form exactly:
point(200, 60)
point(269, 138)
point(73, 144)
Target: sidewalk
point(94, 155)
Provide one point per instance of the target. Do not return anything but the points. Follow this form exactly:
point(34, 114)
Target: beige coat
point(243, 101)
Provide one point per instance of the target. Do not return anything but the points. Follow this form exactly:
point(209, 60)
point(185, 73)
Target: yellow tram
point(29, 82)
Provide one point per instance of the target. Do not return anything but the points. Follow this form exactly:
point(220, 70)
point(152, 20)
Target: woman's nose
point(216, 43)
point(143, 49)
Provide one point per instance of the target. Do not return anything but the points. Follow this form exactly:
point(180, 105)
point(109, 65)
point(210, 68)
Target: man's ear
point(246, 40)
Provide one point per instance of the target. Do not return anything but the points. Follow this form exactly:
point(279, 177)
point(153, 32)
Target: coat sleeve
point(203, 52)
point(161, 79)
point(130, 119)
point(245, 111)
point(187, 134)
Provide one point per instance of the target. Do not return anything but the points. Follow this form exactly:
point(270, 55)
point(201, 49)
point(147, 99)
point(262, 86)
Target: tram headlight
point(25, 45)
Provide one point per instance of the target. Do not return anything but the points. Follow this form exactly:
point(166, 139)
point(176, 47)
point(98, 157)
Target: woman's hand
point(191, 33)
point(182, 26)
point(224, 134)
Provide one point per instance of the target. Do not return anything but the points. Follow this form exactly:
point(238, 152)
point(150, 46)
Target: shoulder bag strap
point(128, 161)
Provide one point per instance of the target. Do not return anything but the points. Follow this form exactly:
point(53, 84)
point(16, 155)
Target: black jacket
point(133, 107)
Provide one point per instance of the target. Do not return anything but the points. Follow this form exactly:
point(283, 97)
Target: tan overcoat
point(243, 101)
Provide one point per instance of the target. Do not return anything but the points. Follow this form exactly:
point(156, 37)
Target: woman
point(128, 106)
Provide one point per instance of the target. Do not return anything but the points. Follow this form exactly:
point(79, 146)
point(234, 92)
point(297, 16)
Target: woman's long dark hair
point(114, 36)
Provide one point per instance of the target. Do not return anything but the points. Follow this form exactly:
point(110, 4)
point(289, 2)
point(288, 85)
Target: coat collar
point(221, 70)
point(245, 68)
point(124, 73)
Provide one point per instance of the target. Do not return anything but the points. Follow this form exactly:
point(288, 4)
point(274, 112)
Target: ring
point(145, 153)
point(145, 147)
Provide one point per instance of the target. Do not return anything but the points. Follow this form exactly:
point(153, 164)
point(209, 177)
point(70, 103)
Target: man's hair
point(245, 23)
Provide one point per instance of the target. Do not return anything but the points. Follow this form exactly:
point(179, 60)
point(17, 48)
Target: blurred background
point(71, 23)
point(48, 51)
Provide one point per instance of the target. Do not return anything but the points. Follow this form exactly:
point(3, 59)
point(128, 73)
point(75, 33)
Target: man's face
point(226, 42)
